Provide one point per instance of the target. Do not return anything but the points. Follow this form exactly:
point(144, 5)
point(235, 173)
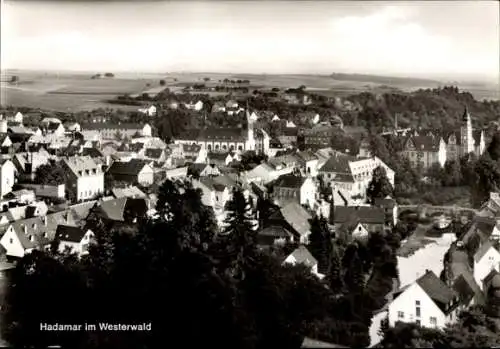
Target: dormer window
point(32, 238)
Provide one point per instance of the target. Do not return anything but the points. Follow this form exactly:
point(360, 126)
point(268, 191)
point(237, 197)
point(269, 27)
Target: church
point(228, 139)
point(426, 147)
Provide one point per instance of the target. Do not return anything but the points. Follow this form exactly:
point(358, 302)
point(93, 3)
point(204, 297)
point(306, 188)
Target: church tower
point(467, 141)
point(250, 141)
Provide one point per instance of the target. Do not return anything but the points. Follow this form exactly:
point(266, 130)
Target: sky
point(452, 39)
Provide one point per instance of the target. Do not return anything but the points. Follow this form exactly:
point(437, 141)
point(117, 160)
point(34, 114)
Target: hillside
point(435, 108)
point(388, 80)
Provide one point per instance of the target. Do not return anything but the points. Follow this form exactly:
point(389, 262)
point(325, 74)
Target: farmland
point(72, 91)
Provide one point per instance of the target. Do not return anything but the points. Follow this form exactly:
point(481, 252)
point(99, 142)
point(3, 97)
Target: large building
point(84, 177)
point(424, 151)
point(228, 139)
point(352, 174)
point(108, 130)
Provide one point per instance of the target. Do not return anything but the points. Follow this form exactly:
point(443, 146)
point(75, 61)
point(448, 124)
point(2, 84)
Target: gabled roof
point(361, 214)
point(303, 256)
point(463, 289)
point(482, 250)
point(131, 168)
point(276, 231)
point(154, 153)
point(110, 126)
point(435, 288)
point(424, 143)
point(113, 209)
point(79, 165)
point(295, 215)
point(307, 155)
point(290, 181)
point(337, 163)
point(69, 233)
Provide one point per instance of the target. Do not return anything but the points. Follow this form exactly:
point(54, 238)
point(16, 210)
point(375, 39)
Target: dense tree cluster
point(50, 174)
point(197, 284)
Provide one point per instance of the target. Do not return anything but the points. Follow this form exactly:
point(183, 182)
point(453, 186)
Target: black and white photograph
point(249, 174)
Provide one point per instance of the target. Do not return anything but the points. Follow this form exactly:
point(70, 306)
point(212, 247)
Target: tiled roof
point(435, 288)
point(462, 269)
point(131, 168)
point(110, 126)
point(131, 192)
point(275, 231)
point(113, 209)
point(191, 148)
point(307, 155)
point(82, 165)
point(463, 289)
point(92, 152)
point(337, 163)
point(424, 143)
point(154, 153)
point(482, 250)
point(290, 181)
point(69, 233)
point(302, 256)
point(295, 215)
point(362, 214)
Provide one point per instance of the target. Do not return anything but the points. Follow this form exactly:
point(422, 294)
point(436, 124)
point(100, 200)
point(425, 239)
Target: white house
point(84, 177)
point(194, 106)
point(74, 239)
point(149, 111)
point(486, 259)
point(301, 255)
point(295, 188)
point(351, 173)
point(427, 302)
point(7, 176)
point(309, 162)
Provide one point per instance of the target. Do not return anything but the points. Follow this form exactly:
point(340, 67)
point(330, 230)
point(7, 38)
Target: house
point(319, 136)
point(72, 126)
point(73, 239)
point(231, 104)
point(203, 170)
point(108, 130)
point(215, 194)
point(294, 219)
point(308, 162)
point(157, 155)
point(486, 259)
point(424, 151)
point(56, 129)
point(218, 107)
point(294, 188)
point(427, 302)
point(5, 143)
point(371, 218)
point(352, 173)
point(301, 255)
point(133, 172)
point(219, 159)
point(84, 177)
point(194, 105)
point(290, 124)
point(288, 136)
point(390, 207)
point(7, 176)
point(149, 111)
point(177, 173)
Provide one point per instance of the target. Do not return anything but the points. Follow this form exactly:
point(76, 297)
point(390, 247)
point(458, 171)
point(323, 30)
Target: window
point(401, 315)
point(417, 303)
point(11, 241)
point(417, 311)
point(433, 321)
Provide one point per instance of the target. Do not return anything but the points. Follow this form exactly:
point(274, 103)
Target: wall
point(405, 302)
point(50, 191)
point(89, 186)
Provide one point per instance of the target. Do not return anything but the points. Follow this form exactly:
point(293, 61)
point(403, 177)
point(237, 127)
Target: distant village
point(54, 175)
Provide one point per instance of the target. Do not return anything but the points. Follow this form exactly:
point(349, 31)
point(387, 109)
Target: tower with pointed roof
point(467, 140)
point(250, 143)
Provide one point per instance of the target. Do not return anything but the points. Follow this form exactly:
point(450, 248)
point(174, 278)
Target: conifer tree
point(335, 273)
point(354, 277)
point(237, 241)
point(320, 243)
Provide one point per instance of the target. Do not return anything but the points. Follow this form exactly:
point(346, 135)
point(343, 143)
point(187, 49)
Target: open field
point(67, 91)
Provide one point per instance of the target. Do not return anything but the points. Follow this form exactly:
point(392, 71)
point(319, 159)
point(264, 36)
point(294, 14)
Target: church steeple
point(467, 140)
